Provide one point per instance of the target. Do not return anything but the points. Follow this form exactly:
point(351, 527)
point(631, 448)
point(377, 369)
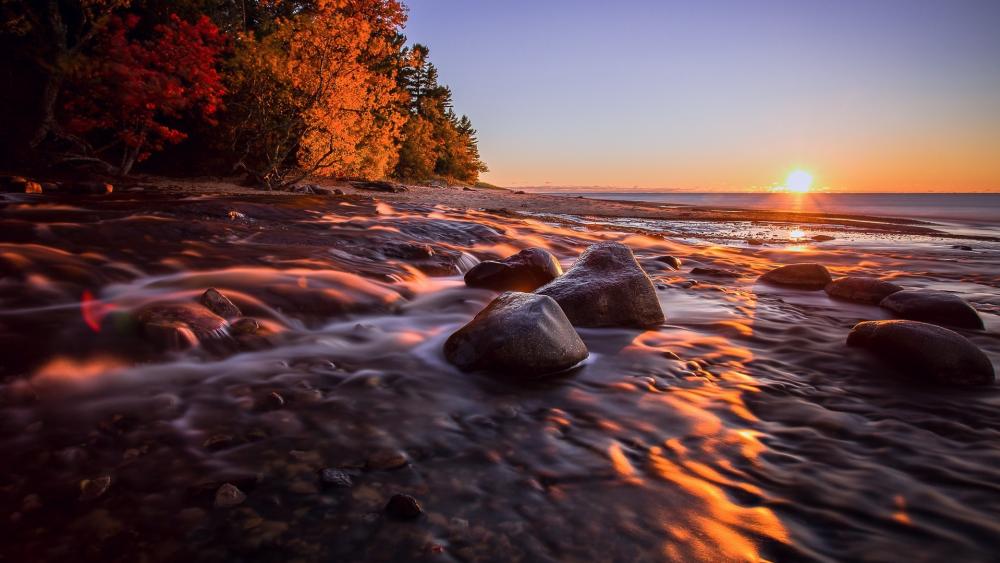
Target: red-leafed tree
point(130, 94)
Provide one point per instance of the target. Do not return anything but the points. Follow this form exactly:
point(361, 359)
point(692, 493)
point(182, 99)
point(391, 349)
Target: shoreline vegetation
point(275, 91)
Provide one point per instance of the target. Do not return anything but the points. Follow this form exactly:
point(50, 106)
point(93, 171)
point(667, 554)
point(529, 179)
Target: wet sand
point(742, 429)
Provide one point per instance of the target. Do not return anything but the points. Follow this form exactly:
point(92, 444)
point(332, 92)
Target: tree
point(128, 93)
point(310, 98)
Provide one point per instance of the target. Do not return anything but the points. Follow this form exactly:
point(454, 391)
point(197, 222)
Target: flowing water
point(743, 429)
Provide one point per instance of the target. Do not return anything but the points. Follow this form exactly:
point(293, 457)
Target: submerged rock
point(90, 187)
point(672, 261)
point(525, 271)
point(936, 307)
point(822, 238)
point(861, 289)
point(517, 334)
point(385, 459)
point(924, 351)
point(606, 287)
point(91, 489)
point(805, 276)
point(228, 495)
point(714, 272)
point(403, 507)
point(219, 304)
point(335, 478)
point(180, 325)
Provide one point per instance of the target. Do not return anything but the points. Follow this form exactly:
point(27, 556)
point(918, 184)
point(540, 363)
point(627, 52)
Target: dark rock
point(936, 307)
point(91, 187)
point(271, 401)
point(714, 272)
point(525, 271)
point(219, 304)
point(672, 261)
point(606, 287)
point(468, 189)
point(49, 187)
point(179, 326)
point(228, 496)
point(822, 238)
point(861, 289)
point(382, 460)
point(962, 247)
point(924, 351)
point(217, 442)
point(755, 242)
point(517, 334)
point(246, 325)
point(403, 507)
point(14, 184)
point(335, 478)
point(805, 276)
point(407, 250)
point(91, 489)
point(519, 192)
point(338, 191)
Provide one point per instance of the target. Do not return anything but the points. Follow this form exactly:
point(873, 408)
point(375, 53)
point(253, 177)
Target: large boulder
point(517, 334)
point(936, 307)
point(525, 271)
point(861, 289)
point(804, 276)
point(606, 287)
point(924, 351)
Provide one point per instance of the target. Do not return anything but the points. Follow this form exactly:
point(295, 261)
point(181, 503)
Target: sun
point(798, 181)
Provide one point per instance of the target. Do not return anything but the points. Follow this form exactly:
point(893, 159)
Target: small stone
point(228, 496)
point(672, 261)
point(91, 489)
point(804, 276)
point(386, 459)
point(272, 401)
point(335, 478)
point(467, 189)
point(246, 325)
point(97, 188)
point(338, 191)
point(217, 442)
point(219, 304)
point(962, 247)
point(32, 188)
point(822, 238)
point(403, 507)
point(861, 289)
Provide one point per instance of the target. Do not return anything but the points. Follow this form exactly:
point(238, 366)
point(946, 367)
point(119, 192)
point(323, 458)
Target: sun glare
point(798, 181)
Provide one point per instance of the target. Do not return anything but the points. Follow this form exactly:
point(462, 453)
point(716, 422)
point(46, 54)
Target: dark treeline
point(273, 89)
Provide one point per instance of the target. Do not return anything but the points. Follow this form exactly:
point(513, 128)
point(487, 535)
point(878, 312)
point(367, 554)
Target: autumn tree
point(130, 93)
point(310, 97)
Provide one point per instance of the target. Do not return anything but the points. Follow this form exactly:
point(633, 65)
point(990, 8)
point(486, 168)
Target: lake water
point(972, 207)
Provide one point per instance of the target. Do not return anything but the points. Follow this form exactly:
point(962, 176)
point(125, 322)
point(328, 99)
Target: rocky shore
point(477, 373)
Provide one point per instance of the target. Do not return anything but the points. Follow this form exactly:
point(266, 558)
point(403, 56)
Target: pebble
point(386, 459)
point(335, 478)
point(228, 496)
point(403, 507)
point(91, 489)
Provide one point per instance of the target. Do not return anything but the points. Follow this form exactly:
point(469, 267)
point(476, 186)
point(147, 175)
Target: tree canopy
point(275, 89)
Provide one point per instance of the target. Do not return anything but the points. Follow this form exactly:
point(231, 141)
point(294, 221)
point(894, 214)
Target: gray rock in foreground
point(517, 334)
point(924, 351)
point(936, 307)
point(861, 289)
point(803, 276)
point(606, 287)
point(525, 271)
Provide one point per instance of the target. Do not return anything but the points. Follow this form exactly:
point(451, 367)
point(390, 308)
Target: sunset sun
point(798, 181)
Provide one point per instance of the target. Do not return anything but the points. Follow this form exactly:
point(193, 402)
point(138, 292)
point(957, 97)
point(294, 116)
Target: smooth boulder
point(606, 287)
point(861, 289)
point(924, 351)
point(517, 334)
point(525, 271)
point(936, 307)
point(804, 276)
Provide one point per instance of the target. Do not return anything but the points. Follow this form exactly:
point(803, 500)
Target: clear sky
point(878, 95)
